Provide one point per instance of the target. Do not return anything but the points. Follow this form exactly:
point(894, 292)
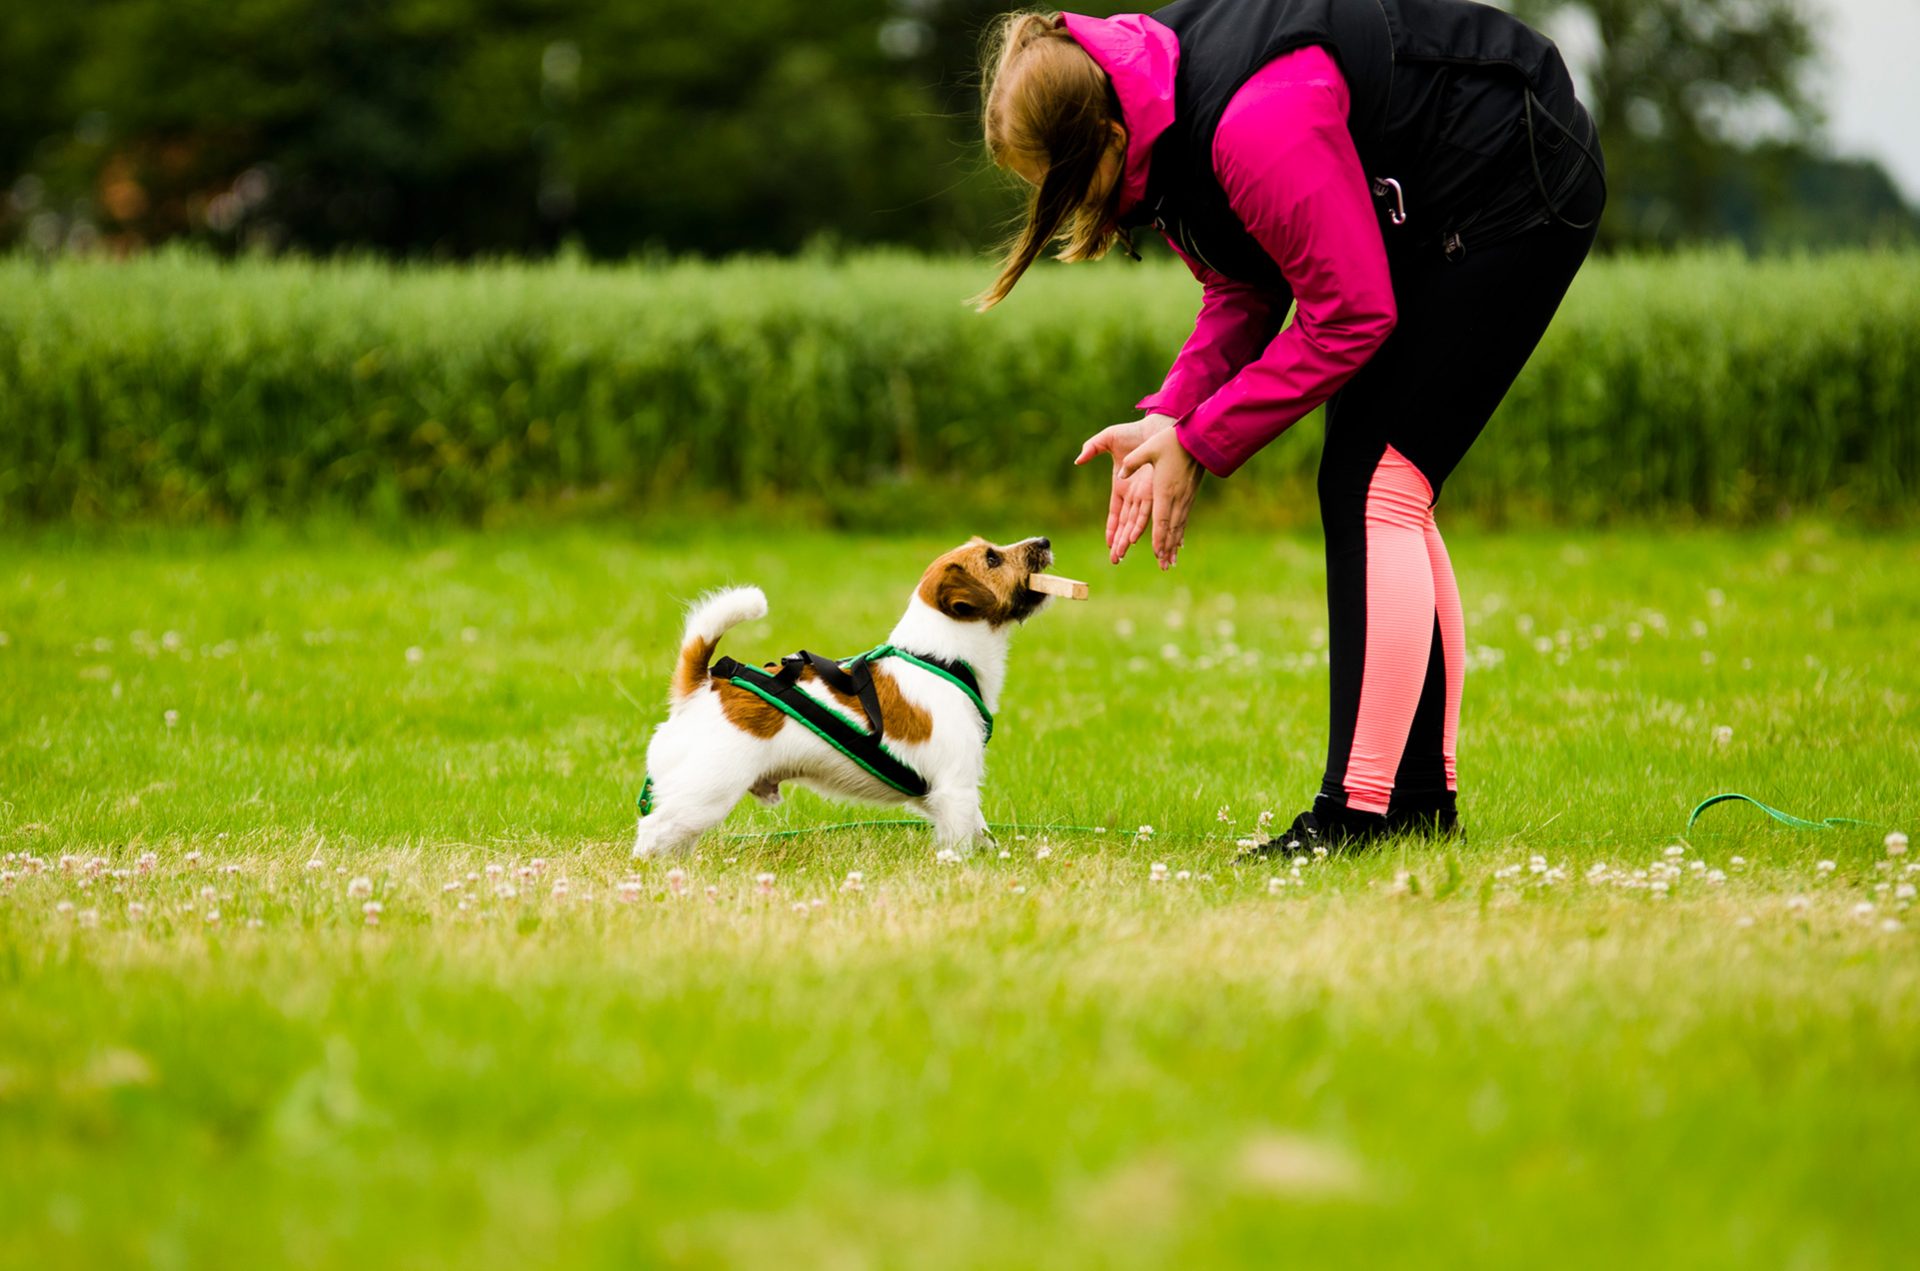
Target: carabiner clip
point(1398, 212)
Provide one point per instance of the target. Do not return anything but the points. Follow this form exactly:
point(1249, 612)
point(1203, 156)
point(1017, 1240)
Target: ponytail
point(1048, 106)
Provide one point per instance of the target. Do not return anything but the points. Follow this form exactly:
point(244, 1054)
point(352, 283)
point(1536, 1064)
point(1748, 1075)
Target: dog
point(750, 732)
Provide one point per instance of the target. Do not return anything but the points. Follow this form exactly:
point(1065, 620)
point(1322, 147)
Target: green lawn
point(1039, 1057)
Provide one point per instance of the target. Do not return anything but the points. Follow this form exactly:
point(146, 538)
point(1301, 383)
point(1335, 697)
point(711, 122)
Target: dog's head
point(987, 582)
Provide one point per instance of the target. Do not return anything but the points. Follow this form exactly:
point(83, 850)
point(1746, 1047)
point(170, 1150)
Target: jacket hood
point(1140, 56)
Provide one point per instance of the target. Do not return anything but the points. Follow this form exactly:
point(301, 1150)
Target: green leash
point(899, 823)
point(1785, 818)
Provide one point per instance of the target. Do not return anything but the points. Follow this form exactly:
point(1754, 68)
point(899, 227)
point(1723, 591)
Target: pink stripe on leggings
point(1453, 638)
point(1400, 614)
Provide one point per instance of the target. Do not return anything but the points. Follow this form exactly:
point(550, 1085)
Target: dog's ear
point(960, 595)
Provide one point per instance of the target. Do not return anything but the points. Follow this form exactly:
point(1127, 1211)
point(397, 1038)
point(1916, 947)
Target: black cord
point(1540, 180)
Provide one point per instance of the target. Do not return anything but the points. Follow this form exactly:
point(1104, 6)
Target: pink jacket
point(1287, 163)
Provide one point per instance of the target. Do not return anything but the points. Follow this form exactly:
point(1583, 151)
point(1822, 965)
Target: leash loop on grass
point(1785, 818)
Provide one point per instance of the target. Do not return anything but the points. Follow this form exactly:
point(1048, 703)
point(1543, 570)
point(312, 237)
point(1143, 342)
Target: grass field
point(1584, 1036)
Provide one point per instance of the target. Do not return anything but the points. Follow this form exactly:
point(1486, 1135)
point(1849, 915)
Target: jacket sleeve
point(1287, 163)
point(1235, 323)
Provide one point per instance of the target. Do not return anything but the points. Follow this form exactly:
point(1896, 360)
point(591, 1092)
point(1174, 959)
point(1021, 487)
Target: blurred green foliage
point(179, 387)
point(460, 127)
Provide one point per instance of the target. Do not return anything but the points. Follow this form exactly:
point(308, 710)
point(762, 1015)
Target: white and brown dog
point(722, 740)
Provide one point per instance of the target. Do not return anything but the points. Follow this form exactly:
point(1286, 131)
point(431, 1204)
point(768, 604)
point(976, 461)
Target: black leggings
point(1395, 432)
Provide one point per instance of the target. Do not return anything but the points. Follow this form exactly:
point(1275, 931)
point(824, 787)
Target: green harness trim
point(865, 746)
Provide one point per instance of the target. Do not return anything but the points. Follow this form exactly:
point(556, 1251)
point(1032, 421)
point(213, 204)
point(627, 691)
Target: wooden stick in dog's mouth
point(1054, 585)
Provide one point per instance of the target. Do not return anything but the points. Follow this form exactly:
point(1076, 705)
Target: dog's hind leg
point(682, 813)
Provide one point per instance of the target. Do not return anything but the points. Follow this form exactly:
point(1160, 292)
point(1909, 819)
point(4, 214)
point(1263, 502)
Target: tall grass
point(179, 387)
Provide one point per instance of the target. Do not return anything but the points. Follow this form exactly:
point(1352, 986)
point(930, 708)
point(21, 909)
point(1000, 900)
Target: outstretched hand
point(1153, 476)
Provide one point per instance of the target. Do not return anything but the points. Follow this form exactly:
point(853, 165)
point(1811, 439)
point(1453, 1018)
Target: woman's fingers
point(1162, 514)
point(1100, 443)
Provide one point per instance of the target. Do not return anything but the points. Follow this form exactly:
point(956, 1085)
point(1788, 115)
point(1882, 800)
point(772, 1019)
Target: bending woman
point(1418, 182)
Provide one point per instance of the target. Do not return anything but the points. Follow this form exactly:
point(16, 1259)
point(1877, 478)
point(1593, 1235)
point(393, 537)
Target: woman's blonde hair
point(1045, 102)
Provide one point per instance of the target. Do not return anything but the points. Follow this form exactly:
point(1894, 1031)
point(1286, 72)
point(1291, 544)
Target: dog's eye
point(993, 559)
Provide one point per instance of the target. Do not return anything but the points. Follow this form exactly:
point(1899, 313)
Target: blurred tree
point(1709, 125)
point(466, 126)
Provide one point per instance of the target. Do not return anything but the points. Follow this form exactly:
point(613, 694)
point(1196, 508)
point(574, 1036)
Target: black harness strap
point(782, 690)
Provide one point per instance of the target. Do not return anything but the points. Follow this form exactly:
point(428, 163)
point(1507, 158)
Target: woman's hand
point(1132, 499)
point(1176, 479)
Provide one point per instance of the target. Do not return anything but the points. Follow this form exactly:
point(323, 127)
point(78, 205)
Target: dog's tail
point(710, 618)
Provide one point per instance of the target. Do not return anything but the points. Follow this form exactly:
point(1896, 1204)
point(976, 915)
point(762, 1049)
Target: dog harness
point(779, 686)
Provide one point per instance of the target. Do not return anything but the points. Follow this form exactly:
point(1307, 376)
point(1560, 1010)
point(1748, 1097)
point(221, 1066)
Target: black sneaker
point(1333, 829)
point(1435, 821)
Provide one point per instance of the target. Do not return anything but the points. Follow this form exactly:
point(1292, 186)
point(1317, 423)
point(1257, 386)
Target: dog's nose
point(1044, 544)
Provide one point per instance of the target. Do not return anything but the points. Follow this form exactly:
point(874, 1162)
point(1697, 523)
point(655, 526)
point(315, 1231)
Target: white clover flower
point(854, 881)
point(361, 886)
point(146, 862)
point(1274, 885)
point(1891, 924)
point(560, 888)
point(1824, 867)
point(817, 903)
point(947, 856)
point(506, 891)
point(1738, 862)
point(1265, 819)
point(452, 886)
point(1798, 902)
point(136, 910)
point(213, 917)
point(713, 892)
point(495, 870)
point(537, 864)
point(1018, 889)
point(89, 917)
point(1744, 920)
point(1903, 892)
point(628, 891)
point(1183, 875)
point(765, 881)
point(1675, 852)
point(1005, 855)
point(172, 719)
point(677, 880)
point(1145, 832)
point(371, 911)
point(416, 654)
point(191, 859)
point(1658, 887)
point(1715, 877)
point(1042, 852)
point(1862, 909)
point(1722, 735)
point(1896, 843)
point(1157, 872)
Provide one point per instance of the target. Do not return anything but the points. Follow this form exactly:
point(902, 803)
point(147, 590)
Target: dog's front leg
point(957, 822)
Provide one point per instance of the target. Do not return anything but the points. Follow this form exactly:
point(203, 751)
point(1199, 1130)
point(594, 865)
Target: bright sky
point(1872, 85)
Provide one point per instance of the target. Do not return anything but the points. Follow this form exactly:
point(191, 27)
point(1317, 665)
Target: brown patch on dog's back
point(903, 720)
point(749, 712)
point(754, 715)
